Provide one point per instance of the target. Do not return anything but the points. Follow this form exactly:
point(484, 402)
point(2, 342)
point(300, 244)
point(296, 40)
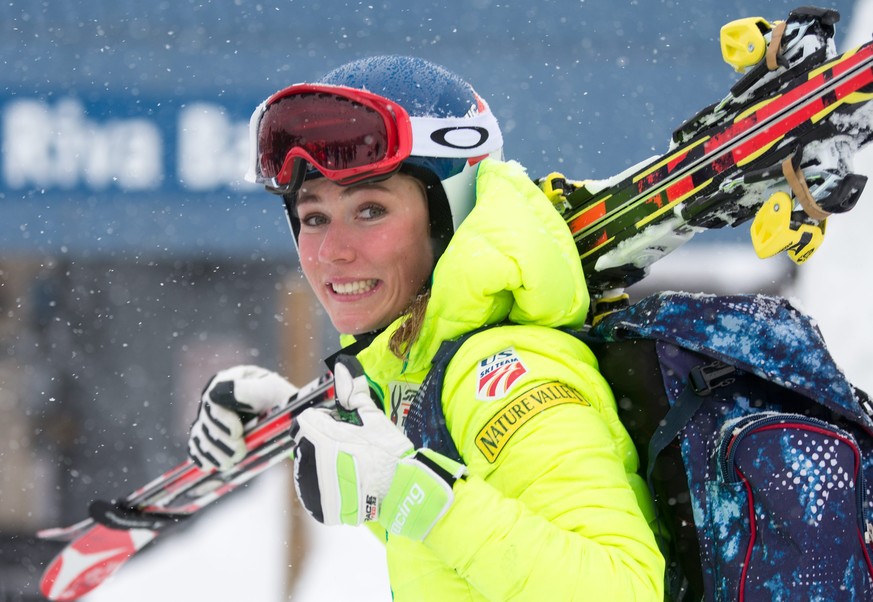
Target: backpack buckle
point(864, 401)
point(707, 377)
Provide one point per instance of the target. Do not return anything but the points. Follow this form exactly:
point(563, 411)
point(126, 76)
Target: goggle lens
point(346, 140)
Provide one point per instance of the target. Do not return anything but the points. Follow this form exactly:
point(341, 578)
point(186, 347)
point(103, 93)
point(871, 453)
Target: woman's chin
point(352, 326)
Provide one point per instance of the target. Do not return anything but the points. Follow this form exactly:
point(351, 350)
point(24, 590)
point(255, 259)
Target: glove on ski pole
point(352, 464)
point(232, 397)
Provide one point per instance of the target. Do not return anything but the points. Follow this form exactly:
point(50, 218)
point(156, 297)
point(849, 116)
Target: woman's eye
point(313, 220)
point(372, 211)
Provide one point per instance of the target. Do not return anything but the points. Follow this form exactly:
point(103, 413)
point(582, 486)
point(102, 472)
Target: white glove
point(352, 464)
point(231, 397)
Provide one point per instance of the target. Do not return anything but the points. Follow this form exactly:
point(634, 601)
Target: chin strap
point(362, 341)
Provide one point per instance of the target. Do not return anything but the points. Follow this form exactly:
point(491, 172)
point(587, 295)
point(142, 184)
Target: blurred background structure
point(135, 262)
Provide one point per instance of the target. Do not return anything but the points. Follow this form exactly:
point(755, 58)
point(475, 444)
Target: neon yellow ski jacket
point(553, 508)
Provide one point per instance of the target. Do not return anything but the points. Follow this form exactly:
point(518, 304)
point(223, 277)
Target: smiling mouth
point(356, 287)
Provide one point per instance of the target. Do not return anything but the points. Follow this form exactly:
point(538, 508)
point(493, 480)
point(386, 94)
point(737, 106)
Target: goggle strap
point(253, 171)
point(452, 137)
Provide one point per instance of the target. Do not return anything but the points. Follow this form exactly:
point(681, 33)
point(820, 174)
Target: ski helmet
point(436, 129)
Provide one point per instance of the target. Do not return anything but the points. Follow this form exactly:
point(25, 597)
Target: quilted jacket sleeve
point(549, 512)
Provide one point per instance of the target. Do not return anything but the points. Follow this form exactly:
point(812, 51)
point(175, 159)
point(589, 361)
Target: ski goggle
point(352, 136)
point(348, 135)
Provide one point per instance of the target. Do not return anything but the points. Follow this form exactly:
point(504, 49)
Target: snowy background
point(242, 548)
point(835, 286)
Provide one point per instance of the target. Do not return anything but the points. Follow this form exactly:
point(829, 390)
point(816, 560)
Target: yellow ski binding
point(554, 186)
point(610, 302)
point(742, 42)
point(772, 231)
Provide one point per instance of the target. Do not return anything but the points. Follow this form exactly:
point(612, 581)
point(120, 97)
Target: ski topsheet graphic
point(776, 150)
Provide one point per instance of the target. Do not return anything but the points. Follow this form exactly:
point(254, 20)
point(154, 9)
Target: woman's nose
point(338, 244)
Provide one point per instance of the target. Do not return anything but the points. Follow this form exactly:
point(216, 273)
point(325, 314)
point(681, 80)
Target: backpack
point(757, 450)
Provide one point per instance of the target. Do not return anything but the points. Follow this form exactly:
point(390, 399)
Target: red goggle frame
point(348, 135)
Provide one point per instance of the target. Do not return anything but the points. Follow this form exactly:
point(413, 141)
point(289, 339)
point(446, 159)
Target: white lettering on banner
point(48, 146)
point(213, 150)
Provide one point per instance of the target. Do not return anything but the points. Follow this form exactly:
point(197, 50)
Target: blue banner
point(134, 175)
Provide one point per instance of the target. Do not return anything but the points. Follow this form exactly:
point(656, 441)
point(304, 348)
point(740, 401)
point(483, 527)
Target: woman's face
point(364, 249)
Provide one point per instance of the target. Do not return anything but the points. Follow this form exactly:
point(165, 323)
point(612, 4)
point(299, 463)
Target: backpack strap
point(864, 400)
point(702, 380)
point(425, 424)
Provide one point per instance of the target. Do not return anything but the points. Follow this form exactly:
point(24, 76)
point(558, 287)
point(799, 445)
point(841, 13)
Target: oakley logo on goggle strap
point(469, 136)
point(461, 137)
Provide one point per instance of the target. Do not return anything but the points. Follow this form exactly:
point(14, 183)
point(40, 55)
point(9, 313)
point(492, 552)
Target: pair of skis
point(99, 545)
point(777, 149)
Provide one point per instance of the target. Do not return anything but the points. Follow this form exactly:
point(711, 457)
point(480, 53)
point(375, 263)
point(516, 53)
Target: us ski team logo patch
point(498, 373)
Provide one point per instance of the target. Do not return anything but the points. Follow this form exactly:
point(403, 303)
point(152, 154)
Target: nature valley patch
point(506, 422)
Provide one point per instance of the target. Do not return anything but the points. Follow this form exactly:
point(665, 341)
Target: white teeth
point(353, 288)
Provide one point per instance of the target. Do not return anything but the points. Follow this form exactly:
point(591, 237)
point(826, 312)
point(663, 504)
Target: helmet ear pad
point(290, 202)
point(439, 211)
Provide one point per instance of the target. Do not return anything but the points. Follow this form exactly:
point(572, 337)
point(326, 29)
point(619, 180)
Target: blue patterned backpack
point(758, 451)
